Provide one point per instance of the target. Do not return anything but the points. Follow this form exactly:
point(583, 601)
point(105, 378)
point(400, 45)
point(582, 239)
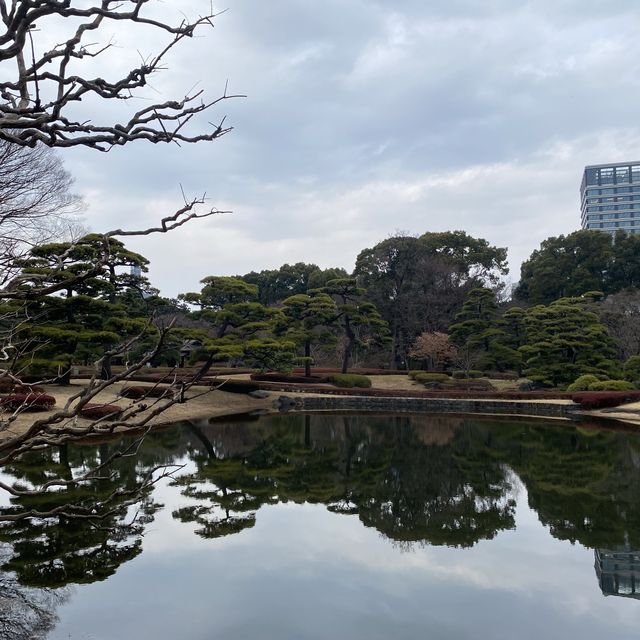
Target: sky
point(368, 118)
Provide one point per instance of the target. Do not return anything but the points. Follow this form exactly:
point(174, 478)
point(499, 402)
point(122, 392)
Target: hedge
point(28, 401)
point(612, 385)
point(281, 377)
point(604, 399)
point(583, 383)
point(137, 393)
point(97, 411)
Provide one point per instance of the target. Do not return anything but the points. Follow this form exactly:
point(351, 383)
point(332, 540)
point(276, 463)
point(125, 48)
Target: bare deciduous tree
point(37, 99)
point(41, 88)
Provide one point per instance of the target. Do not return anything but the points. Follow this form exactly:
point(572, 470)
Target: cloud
point(367, 117)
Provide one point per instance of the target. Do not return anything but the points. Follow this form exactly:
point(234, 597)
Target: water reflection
point(417, 480)
point(618, 572)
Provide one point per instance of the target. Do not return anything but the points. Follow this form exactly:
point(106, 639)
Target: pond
point(325, 526)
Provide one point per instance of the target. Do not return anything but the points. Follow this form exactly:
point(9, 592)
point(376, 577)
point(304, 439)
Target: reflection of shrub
point(97, 411)
point(349, 380)
point(603, 399)
point(28, 401)
point(611, 385)
point(583, 383)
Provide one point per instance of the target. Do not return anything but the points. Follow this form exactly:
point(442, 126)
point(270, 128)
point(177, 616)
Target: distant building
point(610, 197)
point(618, 572)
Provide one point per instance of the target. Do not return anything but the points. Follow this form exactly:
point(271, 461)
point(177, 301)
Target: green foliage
point(421, 282)
point(583, 383)
point(612, 385)
point(632, 369)
point(565, 341)
point(431, 377)
point(583, 261)
point(412, 374)
point(358, 319)
point(349, 380)
point(275, 285)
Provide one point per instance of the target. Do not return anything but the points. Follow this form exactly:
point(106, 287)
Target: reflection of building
point(610, 197)
point(618, 572)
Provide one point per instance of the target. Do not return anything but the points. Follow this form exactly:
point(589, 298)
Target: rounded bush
point(432, 377)
point(612, 385)
point(415, 372)
point(349, 380)
point(583, 383)
point(28, 401)
point(97, 411)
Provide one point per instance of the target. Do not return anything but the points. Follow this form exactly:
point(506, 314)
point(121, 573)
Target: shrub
point(349, 380)
point(423, 376)
point(472, 385)
point(281, 377)
point(583, 383)
point(472, 373)
point(632, 368)
point(137, 393)
point(235, 386)
point(611, 385)
point(604, 399)
point(28, 401)
point(97, 411)
point(415, 372)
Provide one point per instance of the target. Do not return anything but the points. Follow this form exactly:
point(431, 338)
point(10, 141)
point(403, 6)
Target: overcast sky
point(369, 117)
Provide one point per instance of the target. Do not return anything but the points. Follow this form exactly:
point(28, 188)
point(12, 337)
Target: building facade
point(610, 197)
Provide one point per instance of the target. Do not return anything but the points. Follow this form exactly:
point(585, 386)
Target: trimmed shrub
point(501, 375)
point(234, 386)
point(611, 385)
point(472, 385)
point(472, 373)
point(416, 372)
point(137, 393)
point(97, 411)
point(604, 399)
point(28, 401)
point(349, 380)
point(281, 377)
point(431, 377)
point(583, 383)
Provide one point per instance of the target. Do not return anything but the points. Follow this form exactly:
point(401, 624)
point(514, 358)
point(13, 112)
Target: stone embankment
point(552, 409)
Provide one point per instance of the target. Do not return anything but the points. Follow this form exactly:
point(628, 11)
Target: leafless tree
point(39, 96)
point(36, 202)
point(43, 92)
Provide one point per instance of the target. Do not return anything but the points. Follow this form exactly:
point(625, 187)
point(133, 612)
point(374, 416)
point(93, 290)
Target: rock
point(259, 395)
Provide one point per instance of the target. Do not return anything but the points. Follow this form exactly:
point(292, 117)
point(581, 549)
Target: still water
point(331, 527)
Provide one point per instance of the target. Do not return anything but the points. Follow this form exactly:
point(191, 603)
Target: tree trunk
point(307, 358)
point(348, 349)
point(105, 368)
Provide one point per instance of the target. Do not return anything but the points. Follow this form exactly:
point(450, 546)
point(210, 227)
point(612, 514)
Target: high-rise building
point(610, 197)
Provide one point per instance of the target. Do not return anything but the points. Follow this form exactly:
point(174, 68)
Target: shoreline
point(205, 403)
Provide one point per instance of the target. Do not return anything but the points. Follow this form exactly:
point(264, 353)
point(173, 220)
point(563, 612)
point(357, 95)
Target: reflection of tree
point(25, 613)
point(91, 527)
point(447, 492)
point(583, 484)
